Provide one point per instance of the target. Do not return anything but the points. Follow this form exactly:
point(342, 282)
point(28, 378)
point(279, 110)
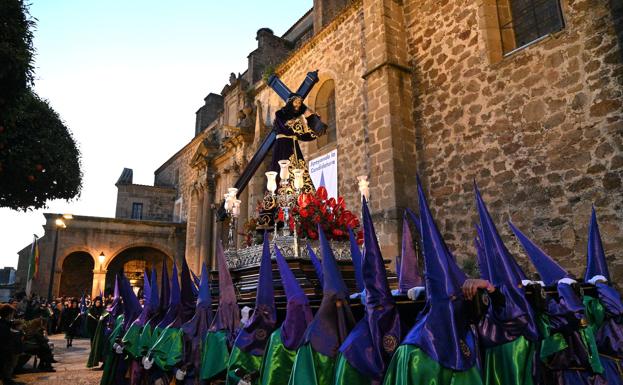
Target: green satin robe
point(311, 367)
point(278, 361)
point(240, 359)
point(131, 341)
point(112, 358)
point(510, 363)
point(214, 355)
point(97, 345)
point(411, 366)
point(345, 374)
point(145, 340)
point(168, 349)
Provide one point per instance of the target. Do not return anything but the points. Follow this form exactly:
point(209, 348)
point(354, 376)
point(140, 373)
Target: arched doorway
point(133, 261)
point(77, 276)
point(325, 107)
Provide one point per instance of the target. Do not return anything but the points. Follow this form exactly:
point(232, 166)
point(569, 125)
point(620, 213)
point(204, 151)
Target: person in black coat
point(11, 344)
point(70, 318)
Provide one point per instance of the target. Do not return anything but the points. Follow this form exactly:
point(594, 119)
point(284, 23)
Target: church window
point(325, 107)
point(137, 210)
point(522, 22)
point(178, 214)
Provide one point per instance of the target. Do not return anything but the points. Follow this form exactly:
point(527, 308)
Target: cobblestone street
point(70, 369)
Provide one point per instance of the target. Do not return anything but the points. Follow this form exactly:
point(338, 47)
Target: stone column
point(99, 282)
point(199, 219)
point(203, 229)
point(209, 219)
point(389, 98)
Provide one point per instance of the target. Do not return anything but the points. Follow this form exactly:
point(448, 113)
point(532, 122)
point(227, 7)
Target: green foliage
point(39, 159)
point(268, 72)
point(16, 51)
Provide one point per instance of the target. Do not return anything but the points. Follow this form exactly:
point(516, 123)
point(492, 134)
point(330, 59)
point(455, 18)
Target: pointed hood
point(148, 298)
point(165, 288)
point(370, 346)
point(196, 328)
point(356, 256)
point(483, 267)
point(316, 262)
point(146, 287)
point(549, 270)
point(204, 298)
point(334, 319)
point(596, 257)
point(227, 315)
point(408, 273)
point(255, 333)
point(131, 307)
point(505, 274)
point(417, 222)
point(196, 283)
point(443, 332)
point(154, 299)
point(116, 307)
point(298, 310)
point(188, 297)
point(172, 316)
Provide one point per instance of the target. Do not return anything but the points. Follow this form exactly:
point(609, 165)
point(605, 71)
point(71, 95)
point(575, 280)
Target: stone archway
point(133, 261)
point(77, 274)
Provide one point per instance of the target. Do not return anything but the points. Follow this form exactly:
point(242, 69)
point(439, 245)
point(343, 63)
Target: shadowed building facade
point(91, 250)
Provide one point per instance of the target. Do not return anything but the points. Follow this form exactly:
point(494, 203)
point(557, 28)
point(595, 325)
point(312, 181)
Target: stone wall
point(189, 187)
point(540, 131)
point(157, 201)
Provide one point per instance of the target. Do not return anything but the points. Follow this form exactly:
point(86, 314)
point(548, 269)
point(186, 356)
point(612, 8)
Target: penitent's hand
point(471, 286)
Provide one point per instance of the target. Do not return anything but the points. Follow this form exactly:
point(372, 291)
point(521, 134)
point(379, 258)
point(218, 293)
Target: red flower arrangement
point(332, 215)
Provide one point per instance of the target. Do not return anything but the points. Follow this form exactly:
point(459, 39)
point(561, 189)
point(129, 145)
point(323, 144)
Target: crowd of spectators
point(27, 321)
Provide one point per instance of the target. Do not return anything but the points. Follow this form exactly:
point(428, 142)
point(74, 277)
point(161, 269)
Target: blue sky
point(127, 78)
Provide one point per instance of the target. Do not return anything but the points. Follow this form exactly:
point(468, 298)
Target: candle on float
point(284, 173)
point(271, 181)
point(298, 178)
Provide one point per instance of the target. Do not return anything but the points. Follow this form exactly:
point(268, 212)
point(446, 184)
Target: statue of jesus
point(293, 123)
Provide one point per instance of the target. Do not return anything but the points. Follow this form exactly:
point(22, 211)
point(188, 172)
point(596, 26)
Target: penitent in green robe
point(510, 363)
point(311, 367)
point(345, 374)
point(214, 354)
point(411, 366)
point(239, 359)
point(112, 358)
point(145, 340)
point(131, 341)
point(278, 361)
point(97, 344)
point(168, 349)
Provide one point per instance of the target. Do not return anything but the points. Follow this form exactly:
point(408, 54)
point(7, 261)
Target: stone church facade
point(444, 89)
point(456, 91)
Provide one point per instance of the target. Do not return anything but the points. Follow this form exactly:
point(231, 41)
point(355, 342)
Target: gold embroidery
point(299, 126)
point(465, 349)
point(260, 334)
point(308, 185)
point(390, 343)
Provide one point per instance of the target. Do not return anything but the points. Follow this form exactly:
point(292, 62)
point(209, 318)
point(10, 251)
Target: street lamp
point(101, 258)
point(59, 224)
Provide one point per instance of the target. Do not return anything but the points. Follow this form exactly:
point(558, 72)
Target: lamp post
point(101, 258)
point(59, 224)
